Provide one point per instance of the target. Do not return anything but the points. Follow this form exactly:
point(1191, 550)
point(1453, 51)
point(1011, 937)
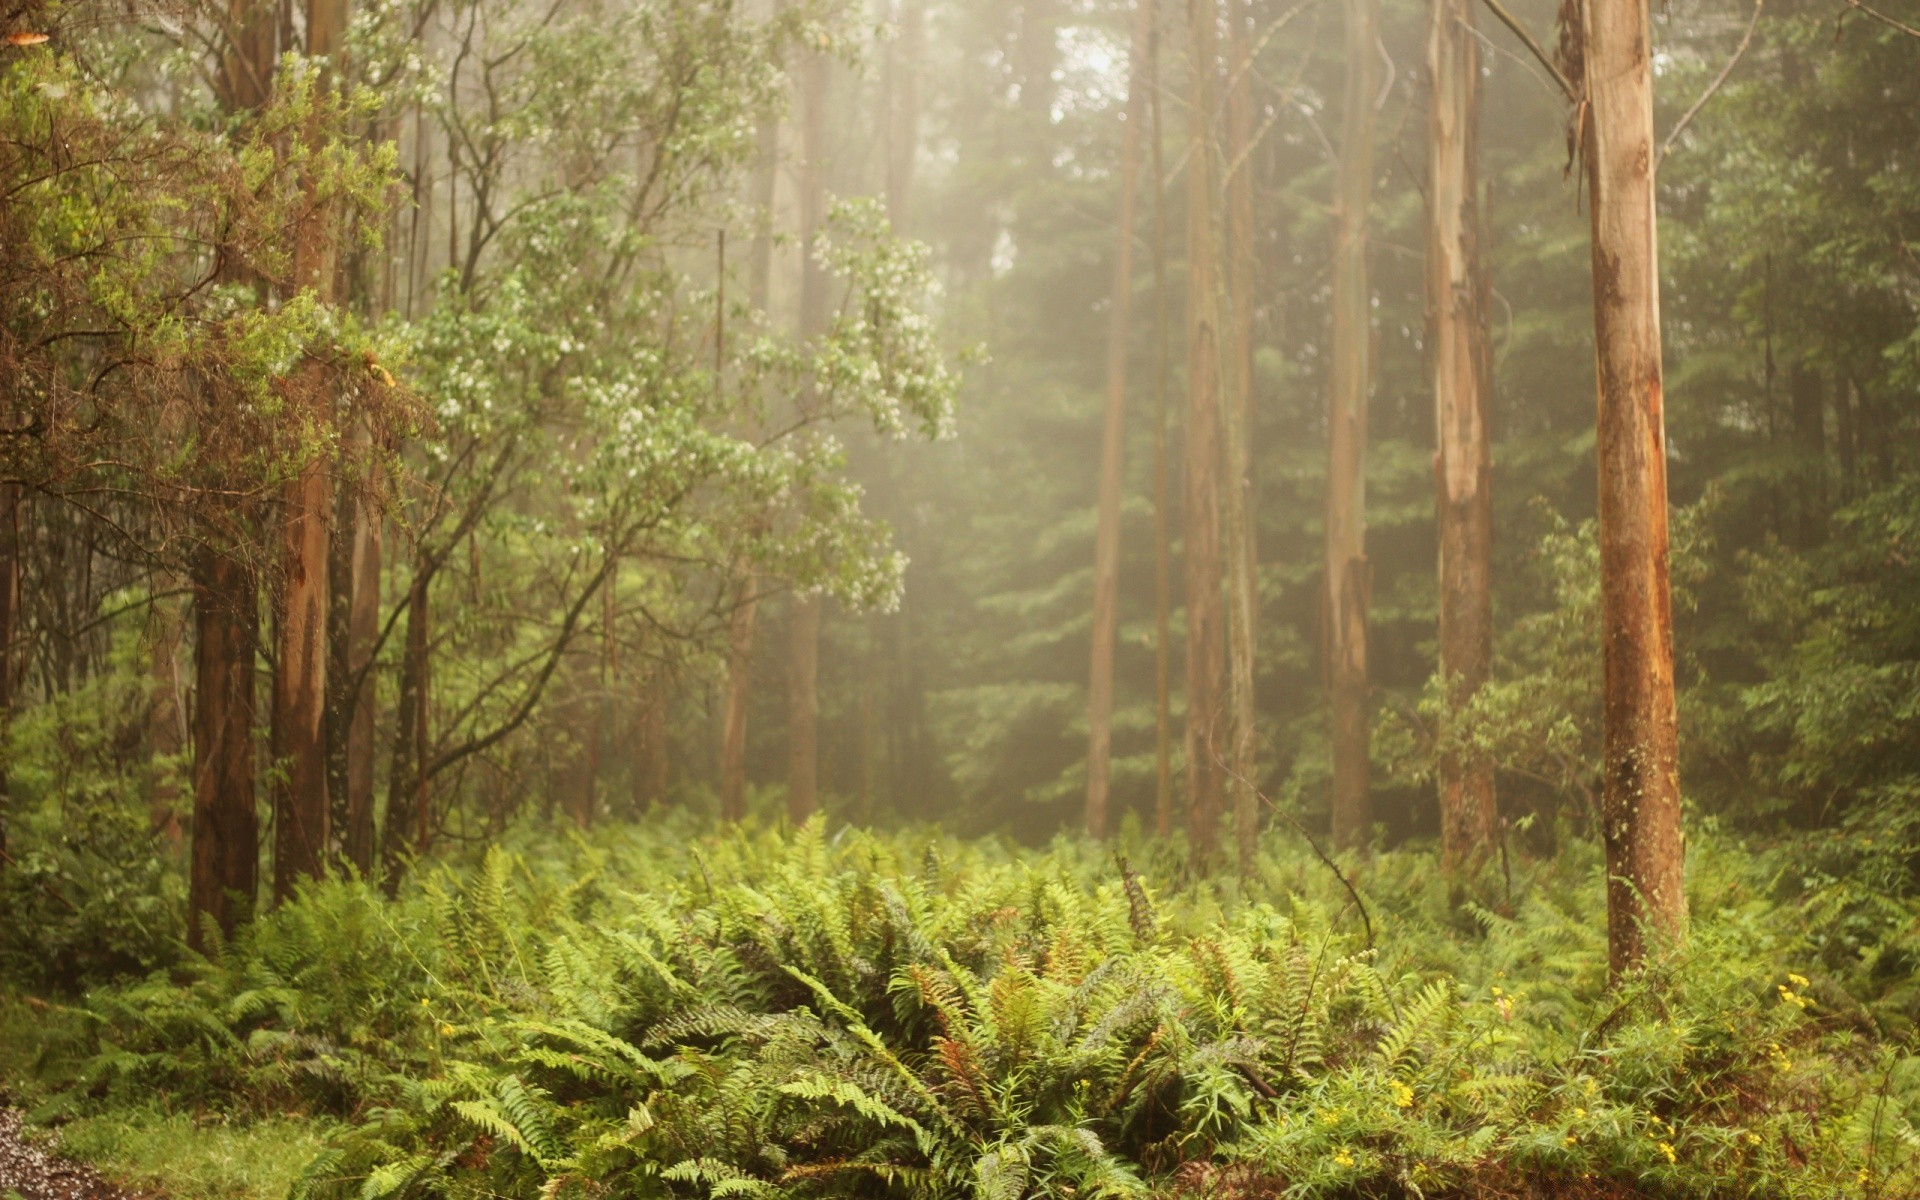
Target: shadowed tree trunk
point(226, 835)
point(651, 770)
point(301, 810)
point(1348, 574)
point(1106, 553)
point(1462, 463)
point(1205, 638)
point(1237, 496)
point(803, 712)
point(1640, 801)
point(1162, 523)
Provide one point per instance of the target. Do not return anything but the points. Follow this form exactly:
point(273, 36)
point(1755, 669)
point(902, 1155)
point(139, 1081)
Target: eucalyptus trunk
point(1237, 496)
point(1348, 575)
point(1106, 553)
point(1640, 797)
point(1205, 636)
point(1462, 464)
point(226, 835)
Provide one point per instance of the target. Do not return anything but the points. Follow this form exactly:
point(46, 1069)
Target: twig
point(1353, 893)
point(1686, 118)
point(1520, 31)
point(1884, 19)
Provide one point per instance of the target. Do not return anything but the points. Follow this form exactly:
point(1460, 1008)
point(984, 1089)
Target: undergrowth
point(656, 1012)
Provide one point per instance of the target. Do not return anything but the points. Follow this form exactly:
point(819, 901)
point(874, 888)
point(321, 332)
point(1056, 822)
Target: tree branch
point(1686, 118)
point(1520, 31)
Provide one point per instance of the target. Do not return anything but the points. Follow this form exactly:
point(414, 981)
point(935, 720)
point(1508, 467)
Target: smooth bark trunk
point(403, 831)
point(1206, 646)
point(1640, 800)
point(1237, 498)
point(1462, 464)
point(1162, 518)
point(1348, 573)
point(10, 502)
point(363, 628)
point(166, 715)
point(1106, 553)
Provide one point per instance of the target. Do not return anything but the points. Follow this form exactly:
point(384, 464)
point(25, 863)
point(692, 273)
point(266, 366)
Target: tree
point(1349, 577)
point(1462, 461)
point(1640, 785)
point(1205, 636)
point(300, 806)
point(1242, 598)
point(1106, 566)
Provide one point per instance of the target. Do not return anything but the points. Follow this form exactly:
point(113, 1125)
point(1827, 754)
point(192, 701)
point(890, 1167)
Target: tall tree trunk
point(301, 810)
point(803, 711)
point(1808, 394)
point(803, 725)
point(166, 715)
point(1242, 600)
point(1462, 462)
point(733, 737)
point(1205, 637)
point(363, 627)
point(1162, 523)
point(1349, 579)
point(406, 819)
point(1106, 552)
point(226, 833)
point(1640, 799)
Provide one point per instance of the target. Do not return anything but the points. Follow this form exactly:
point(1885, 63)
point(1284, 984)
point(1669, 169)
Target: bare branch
point(1686, 118)
point(1520, 31)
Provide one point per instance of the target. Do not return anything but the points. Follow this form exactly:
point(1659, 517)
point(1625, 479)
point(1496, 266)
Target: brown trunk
point(1462, 463)
point(226, 834)
point(1205, 637)
point(10, 499)
point(1106, 552)
point(166, 727)
point(803, 732)
point(1348, 574)
point(406, 782)
point(1162, 551)
point(1646, 902)
point(803, 712)
point(733, 736)
point(300, 804)
point(363, 627)
point(1242, 601)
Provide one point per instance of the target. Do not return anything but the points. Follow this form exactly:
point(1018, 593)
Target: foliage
point(659, 1012)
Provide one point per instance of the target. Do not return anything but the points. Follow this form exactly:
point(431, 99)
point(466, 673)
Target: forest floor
point(30, 1170)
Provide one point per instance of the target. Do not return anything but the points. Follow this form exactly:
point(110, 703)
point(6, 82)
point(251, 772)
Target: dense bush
point(659, 1013)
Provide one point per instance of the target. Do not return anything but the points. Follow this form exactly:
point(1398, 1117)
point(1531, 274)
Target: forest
point(907, 599)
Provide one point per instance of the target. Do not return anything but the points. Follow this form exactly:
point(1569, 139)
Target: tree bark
point(803, 726)
point(1242, 600)
point(1205, 637)
point(301, 808)
point(1640, 802)
point(1348, 574)
point(733, 737)
point(1462, 464)
point(1106, 553)
point(226, 835)
point(651, 771)
point(1162, 522)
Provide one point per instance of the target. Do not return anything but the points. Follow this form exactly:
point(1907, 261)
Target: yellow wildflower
point(1666, 1148)
point(1402, 1094)
point(1342, 1158)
